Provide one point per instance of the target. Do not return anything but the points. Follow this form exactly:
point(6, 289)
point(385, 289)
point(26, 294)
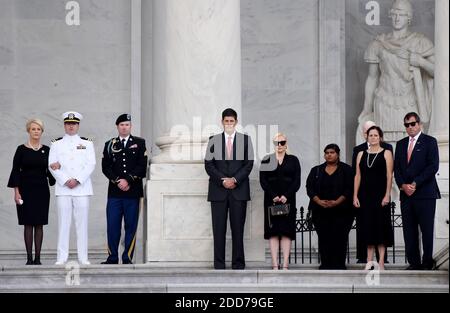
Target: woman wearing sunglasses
point(280, 179)
point(330, 189)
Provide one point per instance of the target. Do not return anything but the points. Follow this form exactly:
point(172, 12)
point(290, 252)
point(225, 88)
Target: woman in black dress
point(30, 179)
point(280, 179)
point(330, 189)
point(373, 184)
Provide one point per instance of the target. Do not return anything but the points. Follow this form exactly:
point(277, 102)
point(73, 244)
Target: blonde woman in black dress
point(280, 179)
point(30, 179)
point(372, 191)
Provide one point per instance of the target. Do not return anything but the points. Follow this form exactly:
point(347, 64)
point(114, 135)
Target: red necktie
point(410, 148)
point(229, 148)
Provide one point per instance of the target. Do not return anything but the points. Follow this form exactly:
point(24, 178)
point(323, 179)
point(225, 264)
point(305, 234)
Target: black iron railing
point(305, 230)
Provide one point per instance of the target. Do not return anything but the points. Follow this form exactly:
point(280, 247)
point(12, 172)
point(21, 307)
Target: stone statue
point(401, 72)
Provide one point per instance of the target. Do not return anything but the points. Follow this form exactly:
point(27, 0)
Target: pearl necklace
point(373, 161)
point(32, 147)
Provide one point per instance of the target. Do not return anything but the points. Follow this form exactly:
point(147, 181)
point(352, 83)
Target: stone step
point(228, 288)
point(304, 288)
point(145, 275)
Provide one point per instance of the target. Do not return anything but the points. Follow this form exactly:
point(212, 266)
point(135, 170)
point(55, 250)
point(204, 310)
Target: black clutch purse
point(279, 209)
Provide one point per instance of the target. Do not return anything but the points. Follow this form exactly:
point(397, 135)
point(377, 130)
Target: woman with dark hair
point(329, 187)
point(372, 191)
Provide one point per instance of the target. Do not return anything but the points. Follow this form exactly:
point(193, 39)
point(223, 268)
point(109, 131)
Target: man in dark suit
point(415, 167)
point(361, 248)
point(124, 163)
point(228, 162)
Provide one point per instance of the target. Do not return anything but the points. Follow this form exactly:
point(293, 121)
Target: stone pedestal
point(179, 225)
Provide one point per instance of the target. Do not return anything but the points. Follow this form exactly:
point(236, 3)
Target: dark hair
point(412, 114)
point(229, 112)
point(334, 147)
point(378, 129)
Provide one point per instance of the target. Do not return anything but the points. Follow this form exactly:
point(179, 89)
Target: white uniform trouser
point(79, 207)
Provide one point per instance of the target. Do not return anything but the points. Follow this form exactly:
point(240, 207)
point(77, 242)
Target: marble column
point(439, 122)
point(332, 75)
point(196, 75)
point(197, 72)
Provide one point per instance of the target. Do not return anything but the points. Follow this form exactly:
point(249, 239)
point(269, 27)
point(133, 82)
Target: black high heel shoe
point(29, 260)
point(37, 261)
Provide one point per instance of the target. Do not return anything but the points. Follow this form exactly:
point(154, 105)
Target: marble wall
point(48, 67)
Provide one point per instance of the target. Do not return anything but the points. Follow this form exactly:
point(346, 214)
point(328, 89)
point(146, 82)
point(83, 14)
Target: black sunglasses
point(410, 124)
point(282, 142)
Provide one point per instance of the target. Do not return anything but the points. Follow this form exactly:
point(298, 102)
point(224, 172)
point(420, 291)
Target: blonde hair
point(34, 121)
point(279, 135)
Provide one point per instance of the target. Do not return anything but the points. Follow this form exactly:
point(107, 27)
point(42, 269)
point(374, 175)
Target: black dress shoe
point(37, 261)
point(127, 262)
point(414, 268)
point(429, 266)
point(361, 261)
point(110, 262)
point(29, 259)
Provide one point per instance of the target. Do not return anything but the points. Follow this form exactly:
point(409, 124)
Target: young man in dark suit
point(415, 167)
point(361, 248)
point(228, 162)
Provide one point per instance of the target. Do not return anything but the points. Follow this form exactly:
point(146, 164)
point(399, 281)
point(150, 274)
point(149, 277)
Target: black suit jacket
point(239, 167)
point(363, 147)
point(129, 163)
point(422, 167)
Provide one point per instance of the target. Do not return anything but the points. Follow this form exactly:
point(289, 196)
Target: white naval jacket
point(77, 158)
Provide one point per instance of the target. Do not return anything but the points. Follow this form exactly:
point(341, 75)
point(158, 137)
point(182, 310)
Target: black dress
point(332, 224)
point(279, 180)
point(30, 173)
point(375, 219)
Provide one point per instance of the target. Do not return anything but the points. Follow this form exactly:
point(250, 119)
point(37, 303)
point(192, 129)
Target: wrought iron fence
point(305, 230)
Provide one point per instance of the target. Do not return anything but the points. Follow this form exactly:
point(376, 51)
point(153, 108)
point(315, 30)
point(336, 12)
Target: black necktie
point(123, 143)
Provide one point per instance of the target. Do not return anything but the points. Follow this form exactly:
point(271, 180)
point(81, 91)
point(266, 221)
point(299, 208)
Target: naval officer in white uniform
point(71, 162)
